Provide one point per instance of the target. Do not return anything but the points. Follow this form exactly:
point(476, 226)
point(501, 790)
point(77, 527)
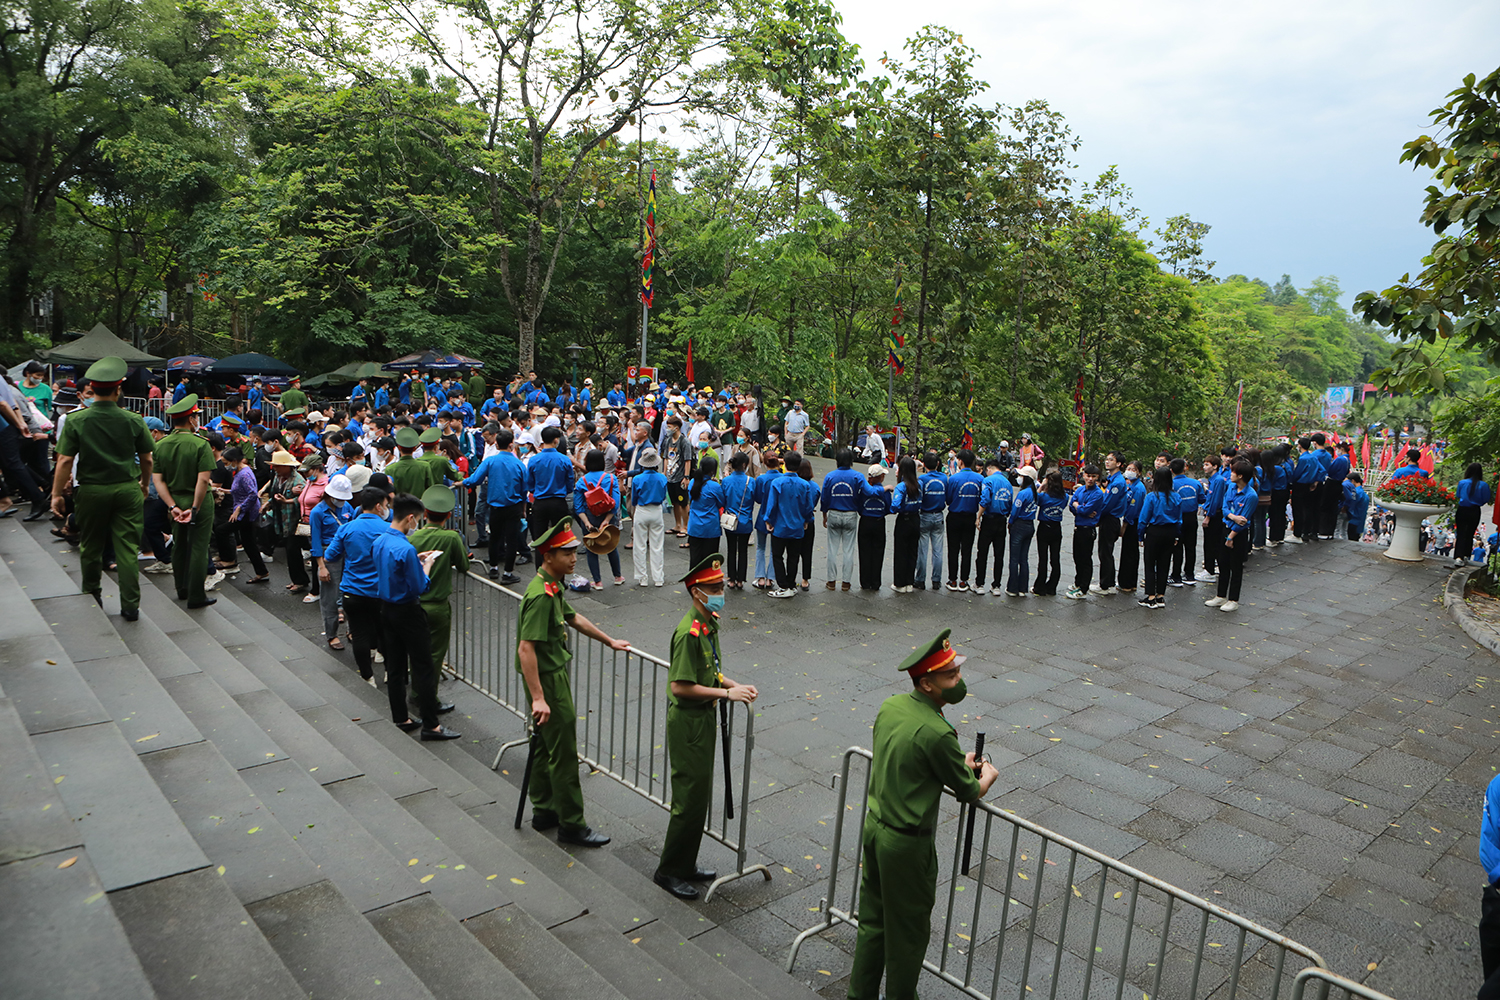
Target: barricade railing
point(208, 409)
point(620, 697)
point(1065, 914)
point(1323, 984)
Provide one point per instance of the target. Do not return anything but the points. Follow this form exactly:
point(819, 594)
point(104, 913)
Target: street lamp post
point(573, 350)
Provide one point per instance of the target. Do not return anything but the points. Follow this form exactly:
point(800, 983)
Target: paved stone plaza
point(1315, 761)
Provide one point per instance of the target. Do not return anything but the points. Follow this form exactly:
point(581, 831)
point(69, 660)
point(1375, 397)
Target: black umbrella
point(241, 365)
point(432, 360)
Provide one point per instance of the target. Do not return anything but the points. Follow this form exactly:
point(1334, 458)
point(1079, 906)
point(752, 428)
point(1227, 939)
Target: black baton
point(531, 746)
point(728, 781)
point(973, 806)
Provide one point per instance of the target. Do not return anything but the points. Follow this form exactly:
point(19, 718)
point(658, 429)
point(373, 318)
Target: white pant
point(843, 527)
point(648, 536)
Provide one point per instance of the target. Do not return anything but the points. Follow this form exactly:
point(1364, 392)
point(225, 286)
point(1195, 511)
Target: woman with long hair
point(1130, 538)
point(705, 499)
point(1278, 477)
point(595, 475)
point(1473, 494)
point(739, 499)
point(1161, 518)
point(1238, 507)
point(906, 501)
point(1051, 499)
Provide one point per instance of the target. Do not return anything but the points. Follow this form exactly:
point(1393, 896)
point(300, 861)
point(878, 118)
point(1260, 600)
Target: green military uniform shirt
point(180, 457)
point(418, 394)
point(291, 399)
point(410, 475)
point(454, 554)
point(441, 467)
point(105, 440)
point(543, 622)
point(916, 753)
point(476, 389)
point(695, 657)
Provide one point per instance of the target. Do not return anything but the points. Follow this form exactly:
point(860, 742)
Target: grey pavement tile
point(82, 627)
point(147, 716)
point(44, 685)
point(1227, 848)
point(33, 820)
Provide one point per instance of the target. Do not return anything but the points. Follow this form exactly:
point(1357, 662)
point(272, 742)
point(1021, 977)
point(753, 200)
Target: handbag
point(304, 530)
point(731, 522)
point(600, 501)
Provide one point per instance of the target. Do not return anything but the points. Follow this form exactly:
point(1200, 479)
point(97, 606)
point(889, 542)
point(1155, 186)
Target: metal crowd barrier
point(1321, 980)
point(1068, 919)
point(620, 698)
point(208, 408)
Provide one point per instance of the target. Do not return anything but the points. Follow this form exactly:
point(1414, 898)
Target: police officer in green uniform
point(442, 469)
point(112, 448)
point(476, 388)
point(916, 754)
point(408, 473)
point(697, 683)
point(542, 657)
point(292, 397)
point(183, 463)
point(436, 536)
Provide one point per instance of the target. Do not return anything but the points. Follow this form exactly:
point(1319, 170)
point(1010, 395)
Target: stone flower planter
point(1406, 540)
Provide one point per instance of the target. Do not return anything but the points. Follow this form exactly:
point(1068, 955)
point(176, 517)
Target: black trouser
point(296, 564)
point(505, 524)
point(739, 555)
point(1161, 539)
point(802, 552)
point(700, 549)
point(409, 642)
point(904, 561)
point(1489, 943)
point(1048, 557)
point(1232, 564)
point(362, 615)
point(1186, 553)
point(1130, 558)
point(1276, 527)
point(1083, 557)
point(16, 472)
point(1464, 523)
point(960, 546)
point(1213, 542)
point(246, 532)
point(34, 454)
point(784, 551)
point(991, 535)
point(1330, 495)
point(224, 535)
point(545, 513)
point(870, 539)
point(1304, 511)
point(1109, 534)
point(158, 531)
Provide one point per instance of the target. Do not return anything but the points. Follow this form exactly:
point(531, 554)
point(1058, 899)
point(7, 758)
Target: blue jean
point(1020, 556)
point(762, 554)
point(930, 536)
point(842, 528)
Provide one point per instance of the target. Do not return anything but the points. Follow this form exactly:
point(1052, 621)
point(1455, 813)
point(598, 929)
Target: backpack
point(598, 498)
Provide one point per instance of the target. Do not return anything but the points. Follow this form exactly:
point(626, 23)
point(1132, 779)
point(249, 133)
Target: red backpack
point(600, 498)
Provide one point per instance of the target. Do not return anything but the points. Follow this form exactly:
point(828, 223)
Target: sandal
point(335, 643)
point(683, 545)
point(259, 579)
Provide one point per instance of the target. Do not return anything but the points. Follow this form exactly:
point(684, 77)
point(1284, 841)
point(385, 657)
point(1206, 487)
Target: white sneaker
point(268, 557)
point(661, 584)
point(371, 681)
point(1230, 606)
point(160, 567)
point(213, 581)
point(956, 587)
point(1074, 594)
point(1213, 602)
point(378, 656)
point(996, 591)
point(783, 592)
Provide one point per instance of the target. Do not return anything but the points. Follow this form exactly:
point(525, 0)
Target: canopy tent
point(433, 360)
point(241, 365)
point(189, 364)
point(352, 372)
point(97, 343)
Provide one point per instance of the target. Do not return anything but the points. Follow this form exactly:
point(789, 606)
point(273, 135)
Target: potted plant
point(1411, 499)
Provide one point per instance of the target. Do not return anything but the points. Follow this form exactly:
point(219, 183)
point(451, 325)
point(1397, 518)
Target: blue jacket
point(615, 397)
point(738, 492)
point(1324, 457)
point(903, 501)
point(1473, 493)
point(1159, 508)
point(1136, 493)
point(995, 496)
point(1050, 508)
point(789, 506)
point(1338, 469)
point(1087, 503)
point(1023, 505)
point(703, 513)
point(762, 491)
point(549, 474)
point(1241, 502)
point(874, 501)
point(1281, 475)
point(1190, 493)
point(1356, 502)
point(506, 478)
point(323, 524)
point(1489, 831)
point(1219, 484)
point(354, 543)
point(648, 488)
point(382, 397)
point(1409, 470)
point(1116, 495)
point(401, 578)
point(841, 490)
point(1308, 470)
point(934, 487)
point(964, 489)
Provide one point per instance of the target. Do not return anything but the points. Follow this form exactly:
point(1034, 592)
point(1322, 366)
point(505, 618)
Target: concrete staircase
point(209, 805)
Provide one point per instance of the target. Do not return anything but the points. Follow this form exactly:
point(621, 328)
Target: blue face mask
point(714, 603)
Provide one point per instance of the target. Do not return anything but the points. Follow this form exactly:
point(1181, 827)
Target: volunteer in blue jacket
point(1190, 496)
point(549, 483)
point(705, 500)
point(1307, 476)
point(1087, 503)
point(1331, 494)
point(1212, 515)
point(760, 495)
point(839, 501)
point(354, 544)
point(1111, 527)
point(1161, 518)
point(504, 479)
point(1022, 527)
point(1051, 501)
point(1412, 466)
point(590, 522)
point(964, 488)
point(738, 491)
point(1280, 483)
point(994, 512)
point(874, 505)
point(930, 526)
point(324, 520)
point(1357, 505)
point(906, 503)
point(789, 506)
point(1239, 504)
point(1473, 494)
point(1130, 538)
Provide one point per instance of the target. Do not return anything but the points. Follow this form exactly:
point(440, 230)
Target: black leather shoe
point(194, 605)
point(445, 708)
point(544, 820)
point(98, 597)
point(582, 837)
point(130, 614)
point(510, 578)
point(494, 573)
point(523, 560)
point(430, 735)
point(410, 726)
point(36, 514)
point(704, 875)
point(675, 886)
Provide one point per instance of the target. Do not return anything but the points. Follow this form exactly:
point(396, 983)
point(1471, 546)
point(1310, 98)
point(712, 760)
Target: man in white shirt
point(797, 423)
point(700, 430)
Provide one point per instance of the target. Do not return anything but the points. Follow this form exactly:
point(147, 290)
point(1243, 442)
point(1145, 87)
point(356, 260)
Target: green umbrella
point(352, 372)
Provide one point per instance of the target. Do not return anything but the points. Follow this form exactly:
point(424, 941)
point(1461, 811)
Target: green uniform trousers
point(111, 514)
point(440, 624)
point(555, 787)
point(190, 556)
point(896, 894)
point(690, 745)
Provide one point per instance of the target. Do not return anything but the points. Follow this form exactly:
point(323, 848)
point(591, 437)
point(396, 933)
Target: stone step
point(21, 616)
point(619, 959)
point(131, 832)
point(659, 940)
point(82, 627)
point(359, 742)
point(297, 738)
point(157, 650)
point(273, 674)
point(333, 952)
point(217, 662)
point(49, 694)
point(452, 964)
point(221, 719)
point(417, 756)
point(147, 716)
point(33, 819)
point(196, 942)
point(39, 578)
point(537, 958)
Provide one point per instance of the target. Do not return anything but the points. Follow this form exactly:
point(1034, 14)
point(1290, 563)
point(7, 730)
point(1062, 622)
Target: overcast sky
point(1277, 122)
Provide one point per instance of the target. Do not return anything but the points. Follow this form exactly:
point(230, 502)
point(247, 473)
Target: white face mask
point(1131, 474)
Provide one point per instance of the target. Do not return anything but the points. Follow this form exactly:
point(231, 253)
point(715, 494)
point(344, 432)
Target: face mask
point(955, 694)
point(742, 440)
point(714, 603)
point(1131, 474)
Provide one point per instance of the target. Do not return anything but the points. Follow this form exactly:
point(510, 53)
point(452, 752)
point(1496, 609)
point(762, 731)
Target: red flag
point(690, 361)
point(1425, 462)
point(1364, 452)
